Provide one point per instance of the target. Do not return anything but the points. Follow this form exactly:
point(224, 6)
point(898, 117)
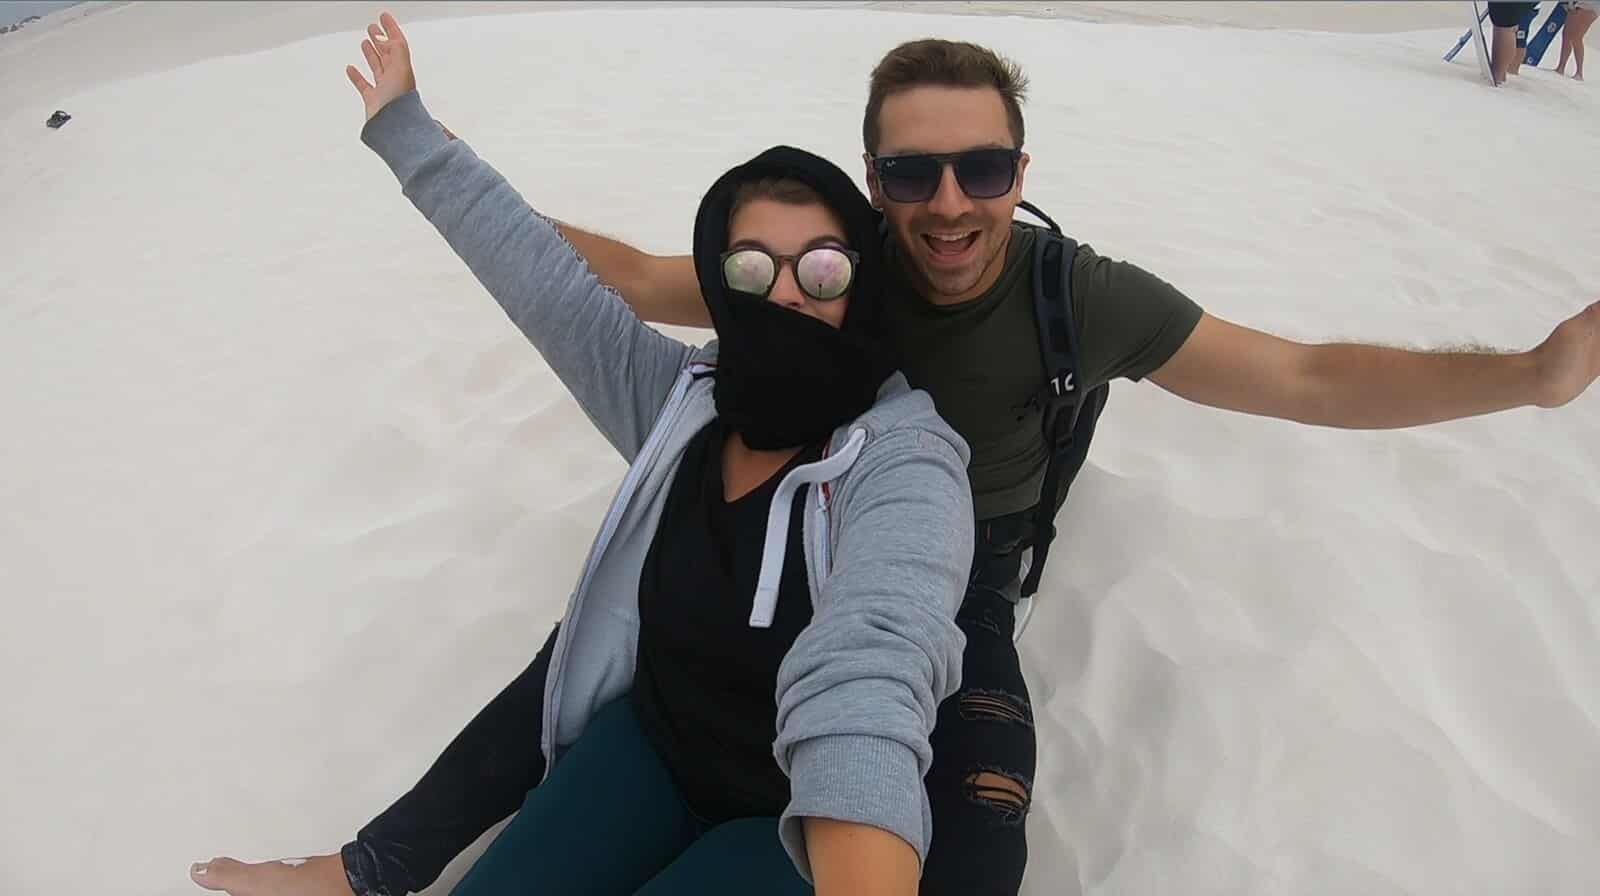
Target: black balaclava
point(784, 378)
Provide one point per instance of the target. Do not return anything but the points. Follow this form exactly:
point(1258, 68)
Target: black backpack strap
point(1052, 308)
point(1034, 210)
point(1062, 397)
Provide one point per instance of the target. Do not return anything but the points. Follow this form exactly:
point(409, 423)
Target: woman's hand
point(849, 858)
point(389, 57)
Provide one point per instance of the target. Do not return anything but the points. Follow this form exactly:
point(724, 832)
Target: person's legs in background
point(1566, 44)
point(1505, 18)
point(1524, 28)
point(1578, 21)
point(1505, 43)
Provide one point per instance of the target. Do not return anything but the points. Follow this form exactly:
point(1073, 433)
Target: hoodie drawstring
point(776, 544)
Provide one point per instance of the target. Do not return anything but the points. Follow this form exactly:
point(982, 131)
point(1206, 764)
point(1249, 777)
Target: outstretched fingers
point(389, 61)
point(374, 61)
point(359, 80)
point(386, 36)
point(391, 28)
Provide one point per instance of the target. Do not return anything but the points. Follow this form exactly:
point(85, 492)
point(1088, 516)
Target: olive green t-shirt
point(980, 359)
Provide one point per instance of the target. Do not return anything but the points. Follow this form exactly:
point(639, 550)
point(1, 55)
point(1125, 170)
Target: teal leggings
point(609, 821)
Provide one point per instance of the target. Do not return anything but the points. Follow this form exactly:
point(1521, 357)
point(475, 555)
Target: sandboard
point(1540, 40)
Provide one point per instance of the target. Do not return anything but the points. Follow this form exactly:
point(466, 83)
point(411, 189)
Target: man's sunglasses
point(982, 173)
point(823, 272)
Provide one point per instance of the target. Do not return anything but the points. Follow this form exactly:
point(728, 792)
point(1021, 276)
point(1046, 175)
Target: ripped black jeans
point(984, 747)
point(979, 785)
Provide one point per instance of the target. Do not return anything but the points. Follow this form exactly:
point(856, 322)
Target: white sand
point(285, 499)
point(84, 46)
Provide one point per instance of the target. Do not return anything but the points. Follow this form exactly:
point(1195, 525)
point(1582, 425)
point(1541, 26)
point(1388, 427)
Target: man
point(965, 327)
point(1511, 23)
point(943, 133)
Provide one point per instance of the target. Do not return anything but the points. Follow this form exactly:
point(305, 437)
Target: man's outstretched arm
point(1370, 387)
point(661, 289)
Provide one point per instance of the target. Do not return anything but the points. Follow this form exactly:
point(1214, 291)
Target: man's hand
point(389, 57)
point(1570, 359)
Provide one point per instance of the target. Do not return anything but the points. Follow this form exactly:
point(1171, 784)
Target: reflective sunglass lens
point(748, 270)
point(824, 273)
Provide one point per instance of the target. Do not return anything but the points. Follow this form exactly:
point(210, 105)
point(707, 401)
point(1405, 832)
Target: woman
point(1580, 15)
point(795, 521)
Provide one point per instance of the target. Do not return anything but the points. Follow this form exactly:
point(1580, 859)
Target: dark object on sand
point(18, 26)
point(58, 119)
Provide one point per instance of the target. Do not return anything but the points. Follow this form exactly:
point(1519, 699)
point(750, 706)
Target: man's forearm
point(659, 289)
point(849, 858)
point(1371, 387)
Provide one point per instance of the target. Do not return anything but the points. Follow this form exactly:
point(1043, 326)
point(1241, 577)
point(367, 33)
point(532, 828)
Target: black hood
point(785, 378)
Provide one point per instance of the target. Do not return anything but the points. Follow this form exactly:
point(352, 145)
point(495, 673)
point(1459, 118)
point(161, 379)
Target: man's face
point(956, 244)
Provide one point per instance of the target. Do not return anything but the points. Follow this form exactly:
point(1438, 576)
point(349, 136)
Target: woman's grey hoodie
point(888, 526)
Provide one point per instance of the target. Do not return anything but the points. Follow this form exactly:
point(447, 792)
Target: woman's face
point(784, 229)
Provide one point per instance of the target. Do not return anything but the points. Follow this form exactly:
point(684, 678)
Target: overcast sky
point(14, 11)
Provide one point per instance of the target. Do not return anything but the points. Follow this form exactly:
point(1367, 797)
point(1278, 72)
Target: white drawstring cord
point(1027, 612)
point(777, 538)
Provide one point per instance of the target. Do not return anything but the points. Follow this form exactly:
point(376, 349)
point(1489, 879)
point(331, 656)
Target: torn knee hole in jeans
point(995, 706)
point(1008, 795)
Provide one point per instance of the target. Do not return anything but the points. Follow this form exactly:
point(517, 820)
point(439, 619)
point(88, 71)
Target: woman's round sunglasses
point(982, 173)
point(823, 272)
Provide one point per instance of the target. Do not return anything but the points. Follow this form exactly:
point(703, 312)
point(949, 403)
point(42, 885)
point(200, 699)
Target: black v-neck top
point(705, 682)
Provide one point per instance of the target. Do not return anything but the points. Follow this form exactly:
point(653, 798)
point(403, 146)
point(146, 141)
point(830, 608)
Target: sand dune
point(285, 498)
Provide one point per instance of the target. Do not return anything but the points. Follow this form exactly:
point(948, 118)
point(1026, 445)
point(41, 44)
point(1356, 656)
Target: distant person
point(1580, 15)
point(1504, 54)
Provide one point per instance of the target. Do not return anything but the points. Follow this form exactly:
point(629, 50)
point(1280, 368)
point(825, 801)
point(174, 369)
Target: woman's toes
point(216, 874)
point(238, 878)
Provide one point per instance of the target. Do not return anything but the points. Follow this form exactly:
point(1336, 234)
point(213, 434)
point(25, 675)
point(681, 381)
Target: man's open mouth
point(950, 246)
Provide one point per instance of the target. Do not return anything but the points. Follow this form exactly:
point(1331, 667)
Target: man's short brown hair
point(944, 63)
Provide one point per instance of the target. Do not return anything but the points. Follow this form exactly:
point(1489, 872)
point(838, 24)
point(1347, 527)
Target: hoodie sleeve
point(859, 691)
point(617, 367)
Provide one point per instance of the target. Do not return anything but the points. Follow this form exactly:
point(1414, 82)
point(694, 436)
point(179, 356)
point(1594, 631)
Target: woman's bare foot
point(316, 876)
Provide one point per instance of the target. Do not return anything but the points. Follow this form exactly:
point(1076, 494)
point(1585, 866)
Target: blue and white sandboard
point(1539, 42)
